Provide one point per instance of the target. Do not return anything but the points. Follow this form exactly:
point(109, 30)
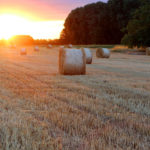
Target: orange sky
point(42, 19)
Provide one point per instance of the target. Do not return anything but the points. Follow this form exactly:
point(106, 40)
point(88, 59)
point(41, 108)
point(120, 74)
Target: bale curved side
point(72, 62)
point(103, 53)
point(88, 55)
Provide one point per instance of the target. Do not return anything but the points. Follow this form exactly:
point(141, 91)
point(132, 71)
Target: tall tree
point(121, 12)
point(138, 29)
point(99, 23)
point(86, 25)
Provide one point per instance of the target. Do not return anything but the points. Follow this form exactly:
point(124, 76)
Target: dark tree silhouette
point(138, 28)
point(22, 40)
point(99, 23)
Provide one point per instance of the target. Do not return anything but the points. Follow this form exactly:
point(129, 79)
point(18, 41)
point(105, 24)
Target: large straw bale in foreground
point(23, 51)
point(72, 62)
point(88, 55)
point(103, 53)
point(148, 51)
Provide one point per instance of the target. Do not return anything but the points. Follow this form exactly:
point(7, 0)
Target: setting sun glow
point(11, 25)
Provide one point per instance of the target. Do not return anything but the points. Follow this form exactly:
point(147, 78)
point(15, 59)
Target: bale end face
point(72, 62)
point(103, 53)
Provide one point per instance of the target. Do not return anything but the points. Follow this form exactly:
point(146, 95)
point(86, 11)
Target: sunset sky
point(42, 19)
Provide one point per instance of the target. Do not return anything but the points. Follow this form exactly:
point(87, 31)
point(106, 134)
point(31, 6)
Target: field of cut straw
point(107, 109)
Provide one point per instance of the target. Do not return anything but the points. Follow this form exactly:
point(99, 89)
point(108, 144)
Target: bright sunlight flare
point(11, 25)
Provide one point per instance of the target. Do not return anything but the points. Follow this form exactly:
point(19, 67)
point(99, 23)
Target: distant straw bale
point(103, 53)
point(36, 48)
point(49, 46)
point(23, 51)
point(88, 55)
point(62, 46)
point(12, 46)
point(72, 62)
point(70, 46)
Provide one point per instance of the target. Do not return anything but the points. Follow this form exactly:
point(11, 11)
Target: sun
point(11, 25)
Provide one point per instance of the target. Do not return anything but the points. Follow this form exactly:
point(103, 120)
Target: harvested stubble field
point(109, 108)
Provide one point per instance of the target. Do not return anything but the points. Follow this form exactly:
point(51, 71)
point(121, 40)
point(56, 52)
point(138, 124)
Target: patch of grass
point(94, 46)
point(120, 50)
point(86, 46)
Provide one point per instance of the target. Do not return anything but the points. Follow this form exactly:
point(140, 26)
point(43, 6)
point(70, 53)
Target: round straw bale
point(62, 46)
point(88, 55)
point(72, 62)
point(70, 46)
point(103, 53)
point(13, 46)
point(36, 48)
point(49, 46)
point(23, 51)
point(148, 51)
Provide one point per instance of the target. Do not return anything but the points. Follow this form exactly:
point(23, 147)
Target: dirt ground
point(108, 108)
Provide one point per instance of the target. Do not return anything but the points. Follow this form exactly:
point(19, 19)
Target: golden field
point(107, 109)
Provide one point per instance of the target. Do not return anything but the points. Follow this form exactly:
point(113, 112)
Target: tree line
point(27, 40)
point(109, 23)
